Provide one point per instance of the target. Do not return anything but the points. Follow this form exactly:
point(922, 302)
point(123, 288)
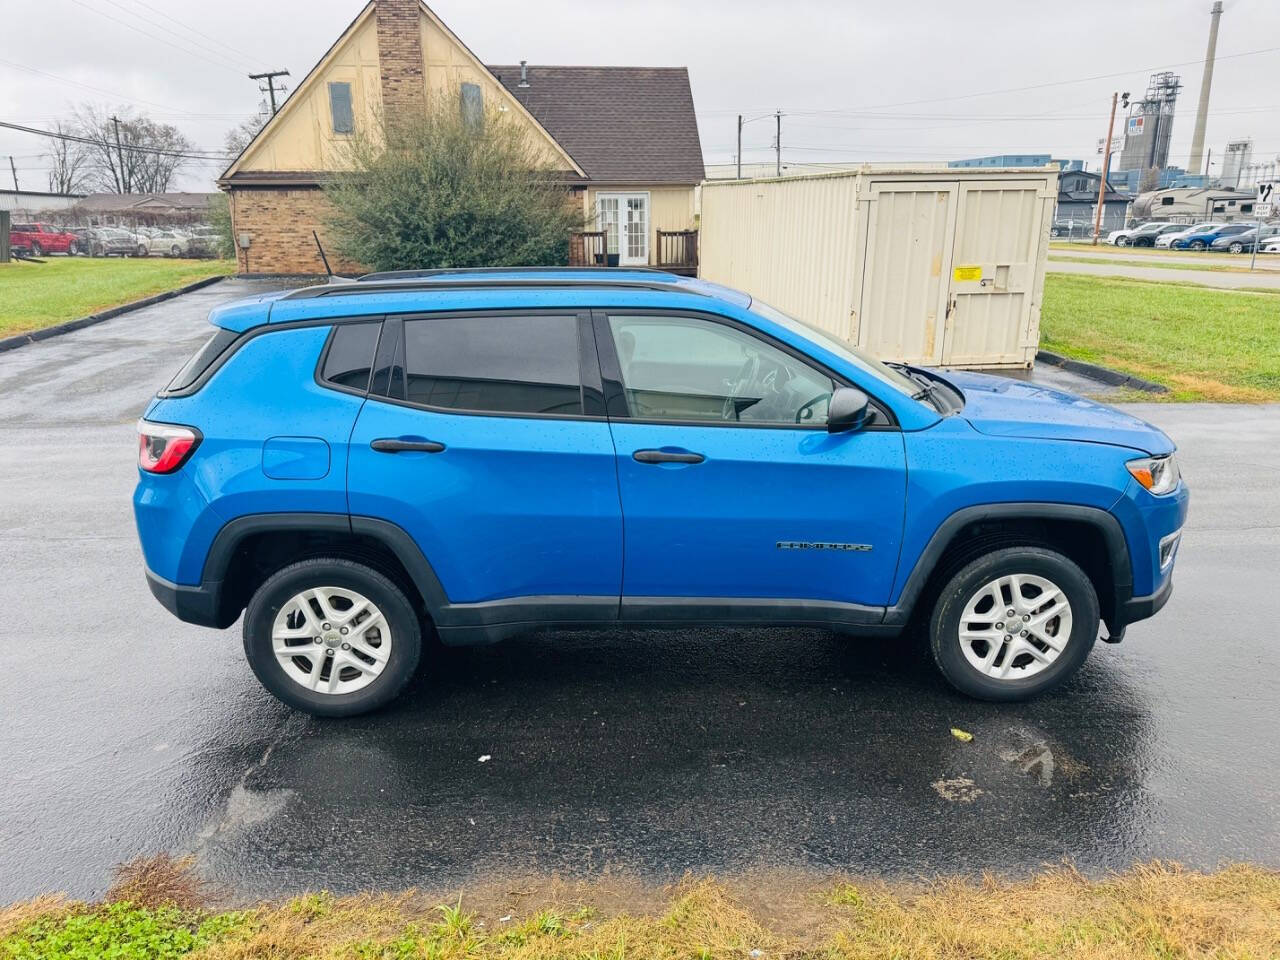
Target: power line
point(159, 151)
point(199, 33)
point(238, 57)
point(225, 64)
point(1033, 86)
point(110, 93)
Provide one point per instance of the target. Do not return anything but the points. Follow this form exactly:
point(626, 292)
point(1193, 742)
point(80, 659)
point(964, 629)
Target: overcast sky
point(906, 81)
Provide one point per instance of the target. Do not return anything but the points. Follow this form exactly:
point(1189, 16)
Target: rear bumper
point(200, 605)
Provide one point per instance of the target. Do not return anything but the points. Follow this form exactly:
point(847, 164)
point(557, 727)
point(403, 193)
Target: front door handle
point(667, 456)
point(397, 445)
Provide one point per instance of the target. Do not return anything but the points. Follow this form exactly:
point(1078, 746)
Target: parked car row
point(40, 239)
point(1239, 237)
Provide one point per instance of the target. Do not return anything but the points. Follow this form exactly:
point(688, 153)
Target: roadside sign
point(1265, 210)
point(1267, 193)
point(1117, 144)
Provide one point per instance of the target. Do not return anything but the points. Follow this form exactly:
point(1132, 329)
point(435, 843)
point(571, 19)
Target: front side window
point(688, 368)
point(340, 108)
point(509, 364)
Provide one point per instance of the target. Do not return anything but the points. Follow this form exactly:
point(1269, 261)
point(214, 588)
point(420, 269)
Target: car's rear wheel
point(72, 249)
point(175, 251)
point(332, 637)
point(1236, 247)
point(1014, 623)
point(36, 249)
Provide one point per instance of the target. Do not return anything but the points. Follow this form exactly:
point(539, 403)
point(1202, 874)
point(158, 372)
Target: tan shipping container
point(937, 266)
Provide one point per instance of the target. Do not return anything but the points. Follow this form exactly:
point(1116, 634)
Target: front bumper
point(1140, 608)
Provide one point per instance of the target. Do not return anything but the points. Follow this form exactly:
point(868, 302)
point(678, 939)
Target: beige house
point(624, 140)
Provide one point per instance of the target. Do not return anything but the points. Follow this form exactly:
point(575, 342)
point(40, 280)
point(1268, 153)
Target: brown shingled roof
point(621, 124)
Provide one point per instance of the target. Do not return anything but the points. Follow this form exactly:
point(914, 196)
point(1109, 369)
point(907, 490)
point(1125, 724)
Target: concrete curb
point(22, 339)
point(1105, 375)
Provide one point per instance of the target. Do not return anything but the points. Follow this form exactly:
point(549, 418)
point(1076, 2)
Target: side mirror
point(847, 411)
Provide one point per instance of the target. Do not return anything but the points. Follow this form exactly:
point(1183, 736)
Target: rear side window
point(349, 359)
point(201, 360)
point(525, 365)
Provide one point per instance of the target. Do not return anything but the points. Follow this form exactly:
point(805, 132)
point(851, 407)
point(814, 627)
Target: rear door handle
point(397, 445)
point(667, 456)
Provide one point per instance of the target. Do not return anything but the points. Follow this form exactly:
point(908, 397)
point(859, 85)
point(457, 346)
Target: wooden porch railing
point(678, 251)
point(588, 249)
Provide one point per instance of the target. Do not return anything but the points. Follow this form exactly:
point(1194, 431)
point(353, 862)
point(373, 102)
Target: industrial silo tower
point(1149, 127)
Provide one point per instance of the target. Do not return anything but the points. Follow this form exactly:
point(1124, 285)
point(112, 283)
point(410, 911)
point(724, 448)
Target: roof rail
point(428, 284)
point(480, 271)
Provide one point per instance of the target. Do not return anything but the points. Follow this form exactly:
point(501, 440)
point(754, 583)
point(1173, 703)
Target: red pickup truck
point(41, 238)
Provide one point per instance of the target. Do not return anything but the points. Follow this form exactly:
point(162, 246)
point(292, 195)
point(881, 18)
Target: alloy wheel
point(331, 640)
point(1015, 626)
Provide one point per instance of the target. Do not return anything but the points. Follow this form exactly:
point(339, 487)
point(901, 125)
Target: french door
point(624, 218)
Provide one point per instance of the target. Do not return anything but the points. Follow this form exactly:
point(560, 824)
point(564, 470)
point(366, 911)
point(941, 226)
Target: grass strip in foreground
point(1156, 911)
point(1200, 342)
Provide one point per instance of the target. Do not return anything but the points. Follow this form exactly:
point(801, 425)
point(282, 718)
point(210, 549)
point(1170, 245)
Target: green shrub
point(446, 189)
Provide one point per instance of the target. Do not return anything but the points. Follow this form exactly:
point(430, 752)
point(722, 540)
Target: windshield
point(886, 375)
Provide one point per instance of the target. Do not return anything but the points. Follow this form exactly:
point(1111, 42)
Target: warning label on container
point(967, 273)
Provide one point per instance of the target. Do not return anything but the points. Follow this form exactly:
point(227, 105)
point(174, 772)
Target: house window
point(340, 108)
point(472, 106)
point(1246, 208)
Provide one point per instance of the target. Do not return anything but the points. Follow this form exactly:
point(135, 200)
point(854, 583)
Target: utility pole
point(122, 180)
point(739, 146)
point(270, 77)
point(14, 170)
point(1106, 166)
point(1208, 160)
point(777, 143)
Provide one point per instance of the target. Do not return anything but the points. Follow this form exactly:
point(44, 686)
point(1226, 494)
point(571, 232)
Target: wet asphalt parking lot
point(128, 732)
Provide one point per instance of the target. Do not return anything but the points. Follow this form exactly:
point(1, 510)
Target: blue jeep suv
point(481, 453)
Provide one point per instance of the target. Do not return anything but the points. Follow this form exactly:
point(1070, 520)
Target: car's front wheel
point(1014, 623)
point(1236, 247)
point(332, 637)
point(1122, 241)
point(1197, 245)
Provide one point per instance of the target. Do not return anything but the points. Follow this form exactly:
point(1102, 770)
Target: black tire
point(141, 251)
point(1197, 245)
point(406, 630)
point(72, 249)
point(1236, 247)
point(1122, 241)
point(175, 251)
point(36, 249)
point(944, 625)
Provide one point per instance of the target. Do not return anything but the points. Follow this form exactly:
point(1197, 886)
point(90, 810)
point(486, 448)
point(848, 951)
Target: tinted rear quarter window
point(349, 359)
point(201, 360)
point(526, 365)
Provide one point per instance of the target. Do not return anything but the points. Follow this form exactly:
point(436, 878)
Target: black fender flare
point(1102, 520)
point(233, 533)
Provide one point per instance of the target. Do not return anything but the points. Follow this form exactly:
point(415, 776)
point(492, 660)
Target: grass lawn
point(35, 295)
point(1156, 911)
point(1202, 343)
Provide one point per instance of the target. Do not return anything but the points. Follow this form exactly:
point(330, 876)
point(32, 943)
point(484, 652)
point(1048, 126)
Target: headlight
point(1158, 474)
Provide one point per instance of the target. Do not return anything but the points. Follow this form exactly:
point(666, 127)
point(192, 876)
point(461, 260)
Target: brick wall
point(400, 56)
point(279, 224)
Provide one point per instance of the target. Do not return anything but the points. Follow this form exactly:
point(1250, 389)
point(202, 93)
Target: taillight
point(164, 447)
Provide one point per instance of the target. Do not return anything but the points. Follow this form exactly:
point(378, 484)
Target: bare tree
point(67, 163)
point(129, 152)
point(238, 137)
point(1149, 180)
